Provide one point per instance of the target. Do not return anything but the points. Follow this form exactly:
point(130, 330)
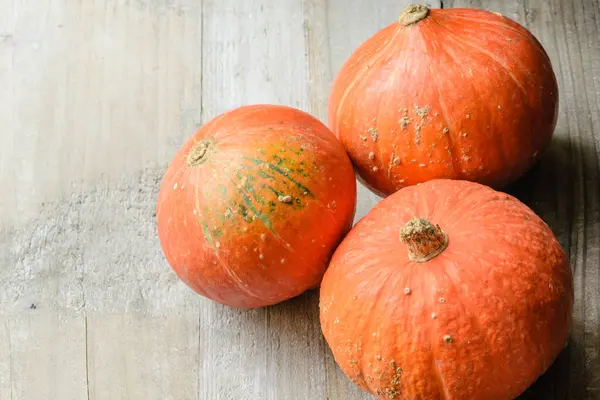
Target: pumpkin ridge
point(534, 344)
point(235, 278)
point(499, 225)
point(502, 63)
point(433, 340)
point(230, 273)
point(277, 128)
point(504, 67)
point(488, 202)
point(177, 174)
point(444, 109)
point(494, 58)
point(508, 27)
point(197, 198)
point(460, 213)
point(366, 265)
point(207, 234)
point(368, 329)
point(390, 82)
point(374, 59)
point(466, 311)
point(441, 382)
point(169, 180)
point(310, 133)
point(495, 138)
point(376, 145)
point(200, 215)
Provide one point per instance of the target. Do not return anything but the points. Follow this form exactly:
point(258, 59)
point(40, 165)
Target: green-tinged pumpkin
point(253, 205)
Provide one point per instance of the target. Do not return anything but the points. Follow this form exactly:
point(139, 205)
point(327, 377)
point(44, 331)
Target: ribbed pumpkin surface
point(481, 320)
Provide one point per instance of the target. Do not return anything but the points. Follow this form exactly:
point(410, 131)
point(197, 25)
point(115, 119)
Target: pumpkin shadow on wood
point(296, 319)
point(553, 385)
point(548, 189)
point(294, 333)
point(273, 346)
point(302, 309)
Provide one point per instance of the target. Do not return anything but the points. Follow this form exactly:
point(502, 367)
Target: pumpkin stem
point(424, 239)
point(199, 152)
point(413, 14)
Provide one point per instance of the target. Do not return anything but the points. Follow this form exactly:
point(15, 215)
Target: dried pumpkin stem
point(413, 14)
point(424, 239)
point(199, 152)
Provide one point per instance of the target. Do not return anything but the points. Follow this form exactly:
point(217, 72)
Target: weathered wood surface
point(98, 95)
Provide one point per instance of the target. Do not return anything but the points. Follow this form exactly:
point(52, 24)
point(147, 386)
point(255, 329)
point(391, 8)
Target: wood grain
point(90, 89)
point(47, 357)
point(98, 95)
point(41, 316)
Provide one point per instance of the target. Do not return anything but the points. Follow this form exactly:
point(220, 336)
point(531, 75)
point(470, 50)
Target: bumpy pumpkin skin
point(463, 94)
point(252, 206)
point(482, 320)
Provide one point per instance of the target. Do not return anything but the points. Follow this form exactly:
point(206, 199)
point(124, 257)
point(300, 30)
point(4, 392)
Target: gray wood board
point(97, 96)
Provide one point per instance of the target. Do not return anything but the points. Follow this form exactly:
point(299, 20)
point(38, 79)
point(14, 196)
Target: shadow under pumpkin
point(555, 189)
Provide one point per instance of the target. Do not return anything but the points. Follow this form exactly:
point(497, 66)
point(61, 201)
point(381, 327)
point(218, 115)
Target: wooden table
point(97, 95)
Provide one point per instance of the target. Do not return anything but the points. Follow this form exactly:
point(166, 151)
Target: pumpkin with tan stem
point(447, 290)
point(445, 93)
point(254, 203)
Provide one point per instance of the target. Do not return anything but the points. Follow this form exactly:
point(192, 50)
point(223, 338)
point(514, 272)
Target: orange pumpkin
point(447, 290)
point(253, 205)
point(445, 93)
